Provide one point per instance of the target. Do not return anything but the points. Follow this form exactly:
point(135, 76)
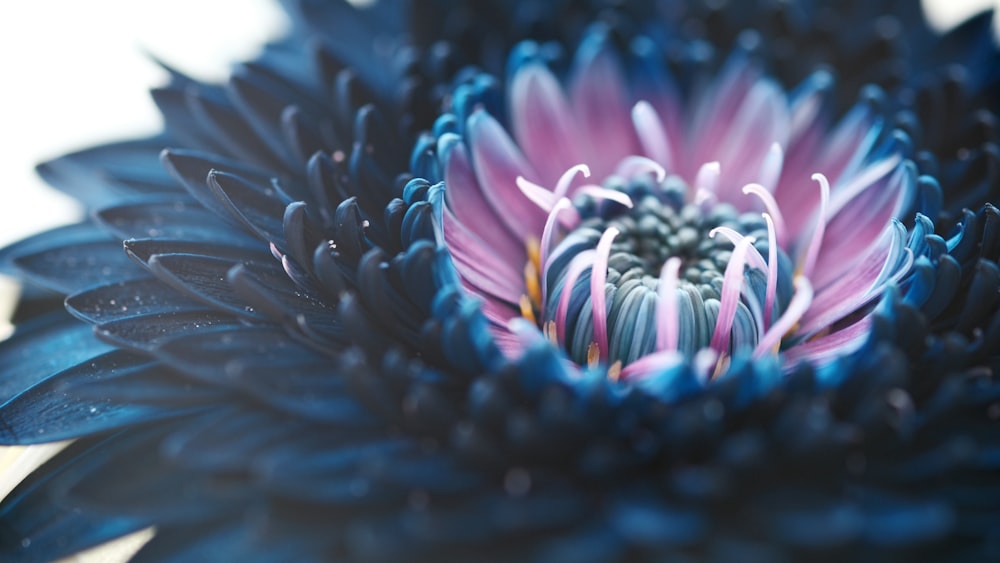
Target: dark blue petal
point(83, 174)
point(36, 527)
point(68, 404)
point(41, 348)
point(175, 218)
point(246, 360)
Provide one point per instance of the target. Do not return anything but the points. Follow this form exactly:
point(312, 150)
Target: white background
point(73, 73)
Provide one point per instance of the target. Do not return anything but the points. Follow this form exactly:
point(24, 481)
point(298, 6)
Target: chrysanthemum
point(531, 281)
point(731, 226)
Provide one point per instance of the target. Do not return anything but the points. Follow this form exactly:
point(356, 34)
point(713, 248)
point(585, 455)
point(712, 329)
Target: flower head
point(757, 247)
point(653, 288)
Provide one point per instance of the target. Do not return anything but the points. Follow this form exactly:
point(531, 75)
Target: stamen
point(755, 259)
point(796, 308)
point(566, 180)
point(615, 371)
point(667, 323)
point(531, 246)
point(577, 265)
point(546, 244)
point(632, 166)
point(538, 195)
point(731, 284)
point(534, 292)
point(772, 207)
point(593, 355)
point(652, 364)
point(598, 275)
point(551, 333)
point(812, 251)
point(598, 192)
point(527, 309)
point(772, 269)
point(708, 177)
point(652, 136)
point(546, 199)
point(704, 363)
point(721, 366)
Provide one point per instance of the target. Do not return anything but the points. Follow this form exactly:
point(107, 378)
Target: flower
point(348, 323)
point(727, 161)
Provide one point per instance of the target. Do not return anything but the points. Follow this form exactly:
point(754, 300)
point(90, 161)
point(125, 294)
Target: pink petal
point(543, 123)
point(652, 134)
point(498, 162)
point(828, 348)
point(602, 107)
point(470, 207)
point(478, 263)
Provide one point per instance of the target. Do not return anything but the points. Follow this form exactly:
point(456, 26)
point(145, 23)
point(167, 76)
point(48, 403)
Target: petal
point(543, 123)
point(498, 163)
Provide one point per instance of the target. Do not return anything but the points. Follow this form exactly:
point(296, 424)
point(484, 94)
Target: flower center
point(661, 227)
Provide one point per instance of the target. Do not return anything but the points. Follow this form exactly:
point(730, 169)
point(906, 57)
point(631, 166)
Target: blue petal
point(42, 348)
point(33, 528)
point(55, 409)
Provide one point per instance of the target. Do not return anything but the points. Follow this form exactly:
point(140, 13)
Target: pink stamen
point(538, 195)
point(598, 192)
point(812, 252)
point(772, 269)
point(754, 258)
point(632, 166)
point(598, 275)
point(652, 136)
point(708, 177)
point(704, 363)
point(545, 245)
point(732, 283)
point(771, 205)
point(667, 324)
point(651, 364)
point(796, 308)
point(577, 265)
point(566, 180)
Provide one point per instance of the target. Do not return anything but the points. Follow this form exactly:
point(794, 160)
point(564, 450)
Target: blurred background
point(77, 73)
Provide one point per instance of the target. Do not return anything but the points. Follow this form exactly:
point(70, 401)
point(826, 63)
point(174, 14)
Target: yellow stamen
point(551, 332)
point(593, 355)
point(527, 310)
point(531, 284)
point(615, 371)
point(721, 365)
point(534, 249)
